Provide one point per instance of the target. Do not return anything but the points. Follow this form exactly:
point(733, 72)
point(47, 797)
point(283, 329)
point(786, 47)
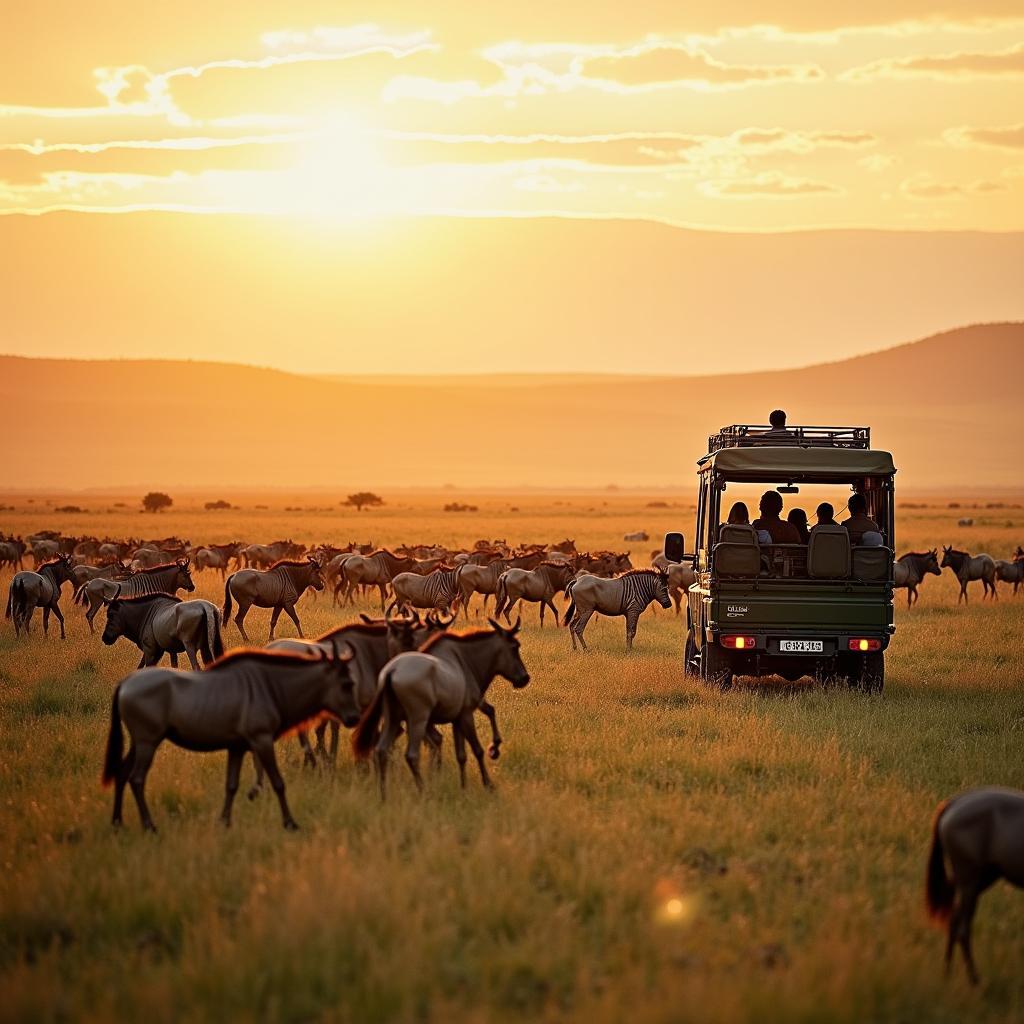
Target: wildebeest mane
point(259, 654)
point(294, 563)
point(640, 572)
point(476, 634)
point(370, 628)
point(159, 568)
point(143, 598)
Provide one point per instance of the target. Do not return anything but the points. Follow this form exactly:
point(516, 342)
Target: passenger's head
point(770, 503)
point(738, 514)
point(797, 516)
point(777, 419)
point(826, 514)
point(857, 504)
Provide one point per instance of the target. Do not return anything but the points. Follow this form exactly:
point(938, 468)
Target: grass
point(654, 851)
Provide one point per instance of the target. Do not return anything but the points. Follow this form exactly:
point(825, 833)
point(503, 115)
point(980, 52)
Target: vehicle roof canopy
point(765, 463)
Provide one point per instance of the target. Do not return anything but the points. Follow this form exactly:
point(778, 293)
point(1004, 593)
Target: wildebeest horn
point(344, 653)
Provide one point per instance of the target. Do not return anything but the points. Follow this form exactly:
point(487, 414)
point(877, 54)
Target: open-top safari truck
point(821, 609)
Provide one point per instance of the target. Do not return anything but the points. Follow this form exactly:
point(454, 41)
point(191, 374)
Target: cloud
point(660, 65)
point(1010, 137)
point(770, 184)
point(766, 139)
point(878, 162)
point(952, 66)
point(925, 187)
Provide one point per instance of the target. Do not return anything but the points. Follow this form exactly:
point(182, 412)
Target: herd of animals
point(406, 671)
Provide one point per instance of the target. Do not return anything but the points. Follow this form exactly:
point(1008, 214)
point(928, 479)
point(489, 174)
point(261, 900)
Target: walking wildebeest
point(628, 595)
point(483, 579)
point(160, 579)
point(910, 569)
point(159, 624)
point(216, 556)
point(446, 681)
point(245, 701)
point(967, 568)
point(40, 589)
point(278, 587)
point(981, 834)
point(1010, 572)
point(376, 570)
point(436, 590)
point(536, 585)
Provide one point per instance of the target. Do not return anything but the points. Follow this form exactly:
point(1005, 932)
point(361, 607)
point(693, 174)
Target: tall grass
point(654, 851)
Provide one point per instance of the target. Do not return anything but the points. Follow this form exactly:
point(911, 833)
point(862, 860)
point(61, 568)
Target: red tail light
point(862, 644)
point(739, 643)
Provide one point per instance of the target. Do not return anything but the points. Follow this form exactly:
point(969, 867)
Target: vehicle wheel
point(865, 671)
point(690, 655)
point(715, 667)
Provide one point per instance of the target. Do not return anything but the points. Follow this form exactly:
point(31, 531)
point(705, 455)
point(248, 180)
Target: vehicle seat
point(828, 553)
point(872, 563)
point(737, 553)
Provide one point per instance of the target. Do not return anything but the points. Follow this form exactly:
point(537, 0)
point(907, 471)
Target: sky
point(352, 117)
point(746, 116)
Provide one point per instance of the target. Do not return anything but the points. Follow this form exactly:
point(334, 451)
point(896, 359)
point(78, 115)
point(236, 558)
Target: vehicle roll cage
point(749, 435)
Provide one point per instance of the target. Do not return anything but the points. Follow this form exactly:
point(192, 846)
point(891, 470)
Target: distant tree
point(219, 503)
point(364, 499)
point(157, 501)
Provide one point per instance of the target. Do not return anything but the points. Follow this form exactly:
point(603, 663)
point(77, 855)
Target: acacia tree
point(364, 499)
point(156, 501)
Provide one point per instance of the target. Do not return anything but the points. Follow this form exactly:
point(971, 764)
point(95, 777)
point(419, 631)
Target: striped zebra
point(628, 595)
point(437, 589)
point(161, 579)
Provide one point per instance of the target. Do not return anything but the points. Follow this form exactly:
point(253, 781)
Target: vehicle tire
point(865, 672)
point(690, 655)
point(715, 667)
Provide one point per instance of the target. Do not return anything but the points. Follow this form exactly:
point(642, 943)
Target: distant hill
point(948, 406)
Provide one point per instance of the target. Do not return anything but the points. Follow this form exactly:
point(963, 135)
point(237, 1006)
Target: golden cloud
point(1002, 64)
point(770, 184)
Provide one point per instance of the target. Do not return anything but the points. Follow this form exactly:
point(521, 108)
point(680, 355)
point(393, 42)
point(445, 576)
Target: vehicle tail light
point(739, 643)
point(862, 644)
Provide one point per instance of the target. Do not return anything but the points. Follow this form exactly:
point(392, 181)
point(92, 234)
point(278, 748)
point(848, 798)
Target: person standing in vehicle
point(778, 421)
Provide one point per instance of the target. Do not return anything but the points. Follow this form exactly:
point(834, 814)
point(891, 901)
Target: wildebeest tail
point(938, 890)
point(80, 595)
point(115, 742)
point(226, 614)
point(15, 600)
point(213, 643)
point(500, 595)
point(571, 610)
point(10, 601)
point(364, 737)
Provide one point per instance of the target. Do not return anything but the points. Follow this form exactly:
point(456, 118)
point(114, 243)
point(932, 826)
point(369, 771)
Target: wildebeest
point(910, 569)
point(446, 681)
point(628, 595)
point(279, 587)
point(216, 556)
point(245, 701)
point(11, 552)
point(263, 556)
point(114, 570)
point(967, 567)
point(40, 589)
point(536, 585)
point(981, 834)
point(159, 624)
point(376, 570)
point(483, 579)
point(160, 579)
point(1010, 572)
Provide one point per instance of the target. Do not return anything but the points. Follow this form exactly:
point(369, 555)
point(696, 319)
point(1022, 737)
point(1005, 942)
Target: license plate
point(802, 646)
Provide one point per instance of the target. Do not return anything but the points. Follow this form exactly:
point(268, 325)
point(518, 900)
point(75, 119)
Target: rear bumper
point(768, 644)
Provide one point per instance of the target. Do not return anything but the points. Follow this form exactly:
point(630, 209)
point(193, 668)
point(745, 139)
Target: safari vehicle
point(822, 609)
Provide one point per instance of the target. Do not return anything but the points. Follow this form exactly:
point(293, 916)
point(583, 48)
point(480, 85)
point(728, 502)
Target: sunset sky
point(778, 115)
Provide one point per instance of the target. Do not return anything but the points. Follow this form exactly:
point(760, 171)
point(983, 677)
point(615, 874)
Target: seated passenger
point(871, 539)
point(738, 514)
point(826, 515)
point(798, 517)
point(778, 421)
point(777, 529)
point(859, 522)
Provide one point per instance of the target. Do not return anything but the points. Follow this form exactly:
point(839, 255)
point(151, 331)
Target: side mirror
point(675, 547)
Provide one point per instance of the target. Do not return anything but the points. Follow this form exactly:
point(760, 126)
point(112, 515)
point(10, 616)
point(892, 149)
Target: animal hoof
point(291, 826)
point(493, 752)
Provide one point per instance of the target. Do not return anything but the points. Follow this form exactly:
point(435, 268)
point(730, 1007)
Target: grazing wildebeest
point(536, 585)
point(216, 556)
point(981, 834)
point(446, 681)
point(159, 624)
point(263, 556)
point(436, 590)
point(115, 570)
point(40, 589)
point(11, 552)
point(627, 595)
point(376, 570)
point(279, 587)
point(483, 579)
point(161, 579)
point(910, 569)
point(967, 567)
point(43, 550)
point(1010, 572)
point(245, 701)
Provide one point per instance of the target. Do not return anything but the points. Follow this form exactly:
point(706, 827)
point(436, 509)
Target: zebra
point(437, 589)
point(628, 595)
point(161, 579)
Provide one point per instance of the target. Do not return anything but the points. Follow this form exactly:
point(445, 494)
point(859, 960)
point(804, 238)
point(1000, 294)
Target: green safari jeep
point(822, 608)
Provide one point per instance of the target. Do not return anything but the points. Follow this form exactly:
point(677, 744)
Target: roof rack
point(750, 435)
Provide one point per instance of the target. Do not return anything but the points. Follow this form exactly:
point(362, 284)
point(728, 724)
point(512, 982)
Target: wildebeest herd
point(407, 671)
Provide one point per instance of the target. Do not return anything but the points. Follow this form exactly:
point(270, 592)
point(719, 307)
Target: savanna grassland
point(654, 851)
